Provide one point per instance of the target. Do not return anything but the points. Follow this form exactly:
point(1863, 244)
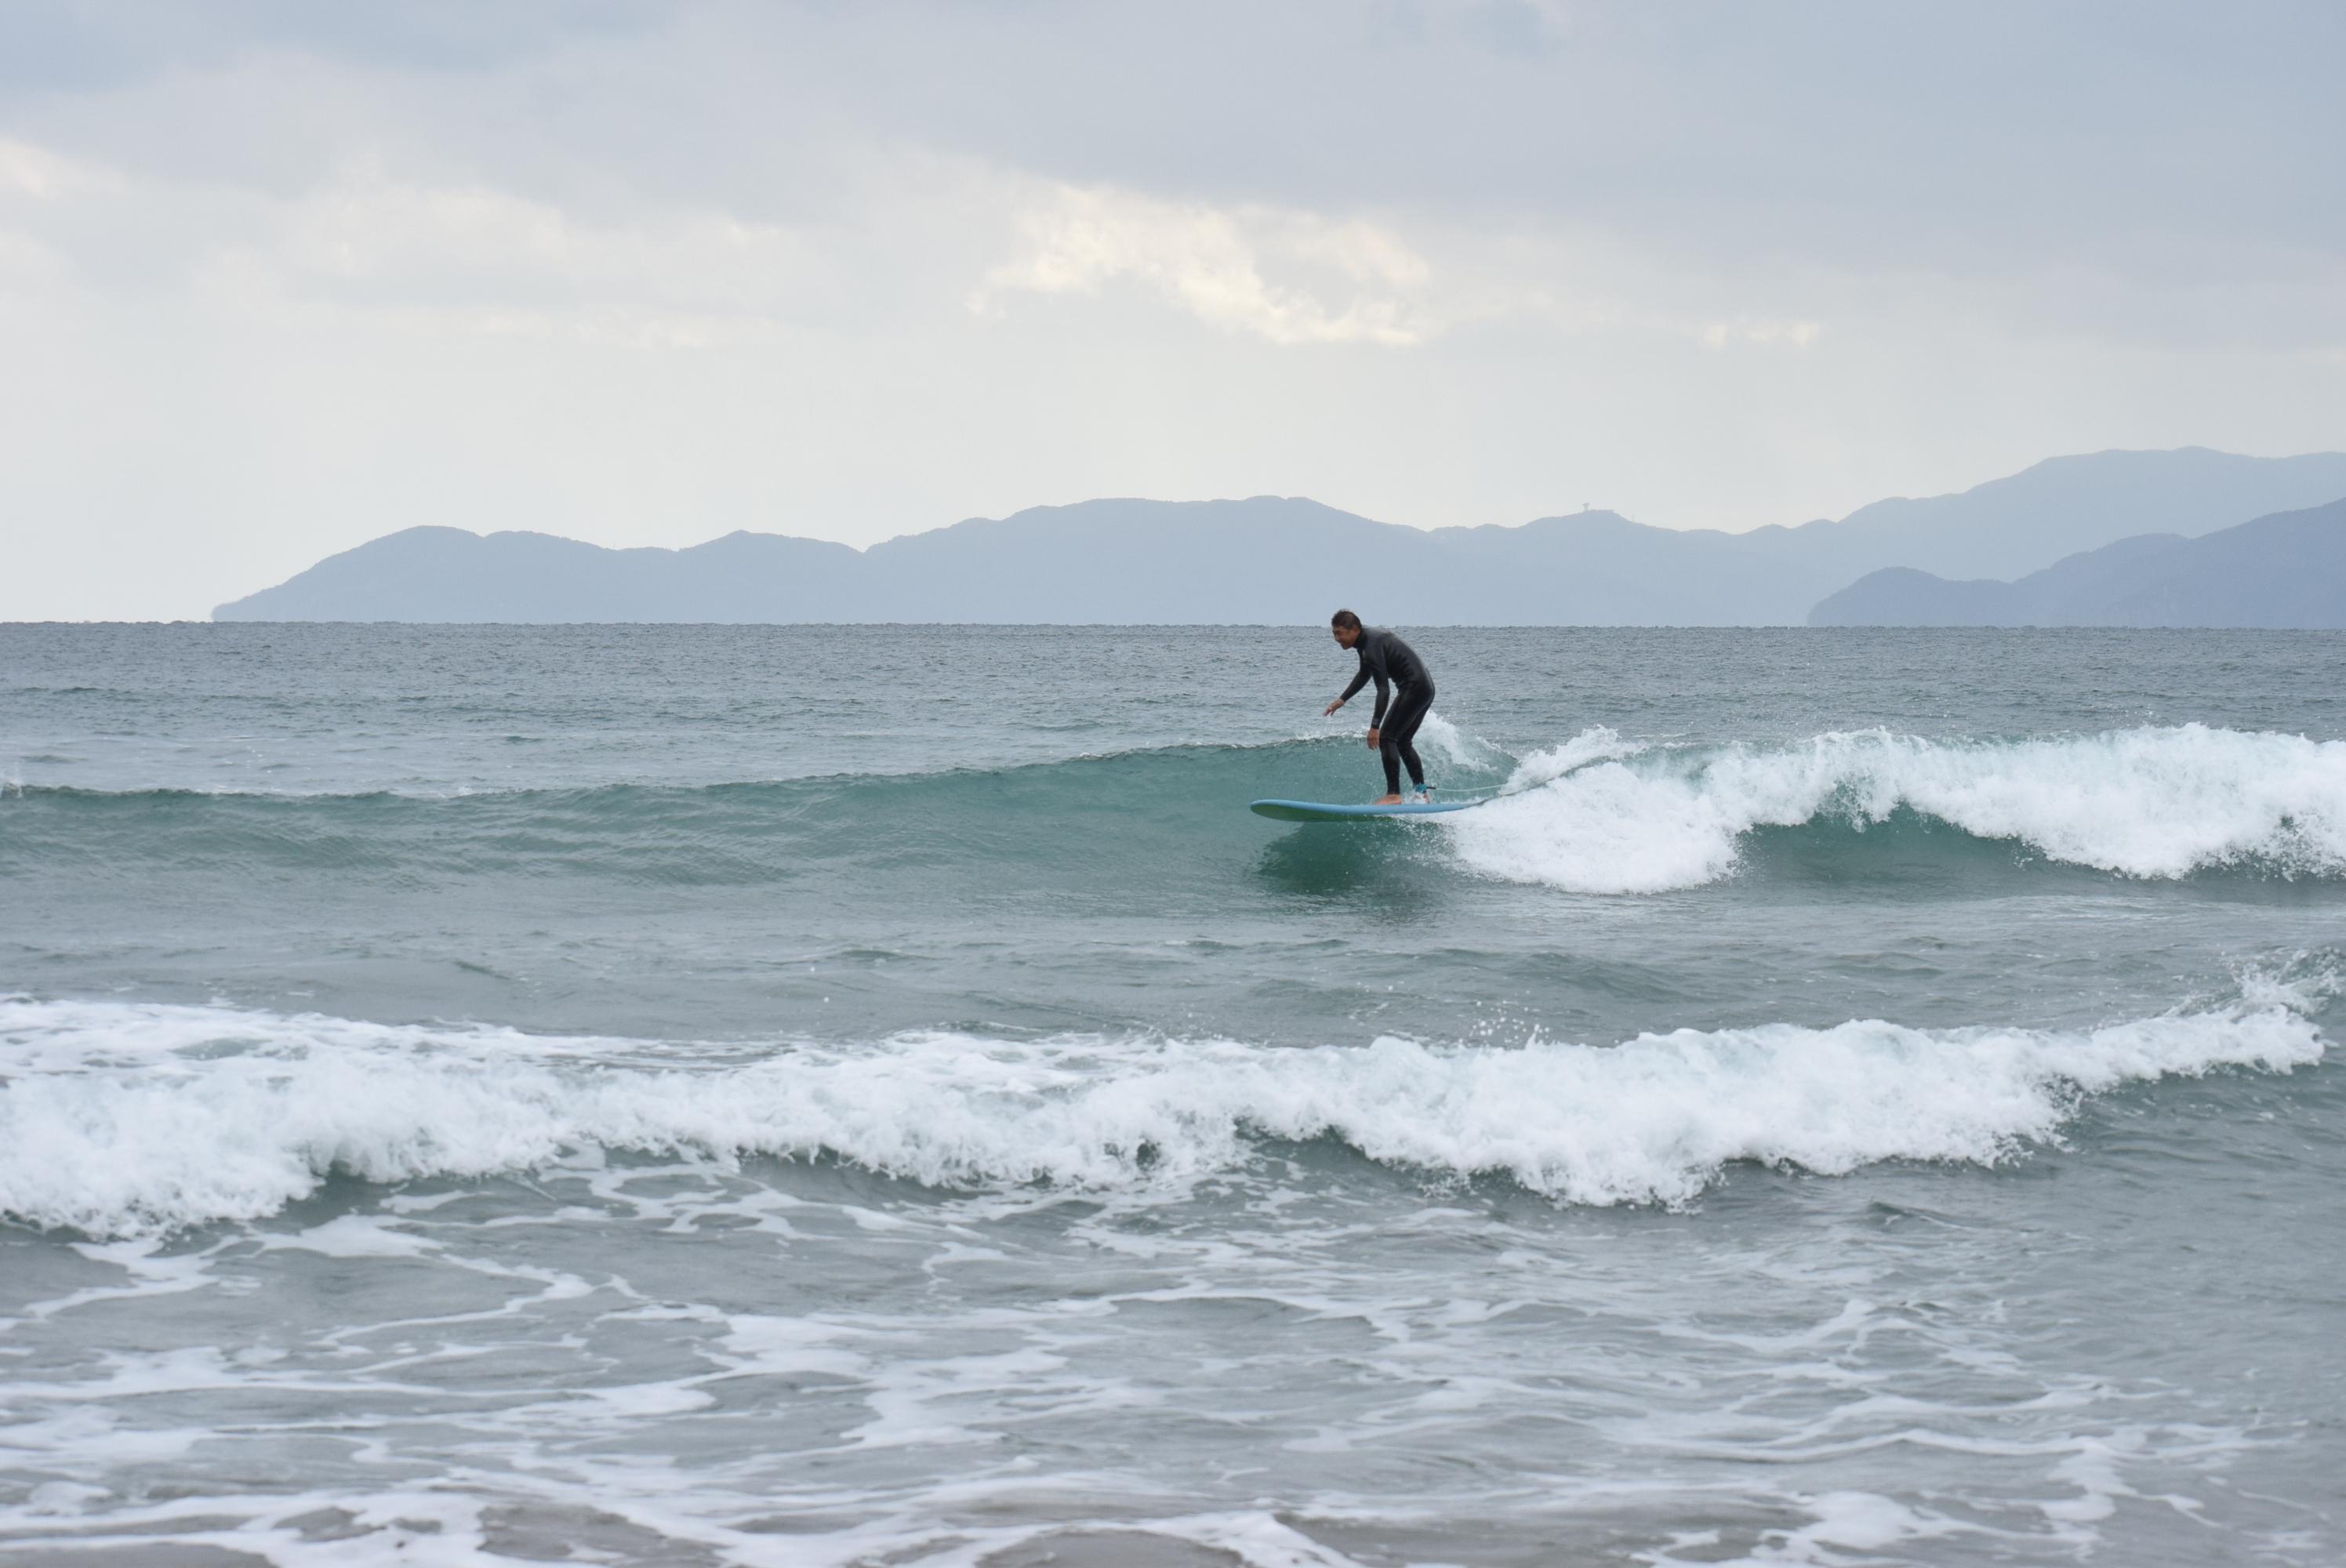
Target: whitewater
point(718, 1095)
point(125, 1121)
point(1597, 815)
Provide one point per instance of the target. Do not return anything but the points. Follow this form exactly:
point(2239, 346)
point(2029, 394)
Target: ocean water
point(874, 1095)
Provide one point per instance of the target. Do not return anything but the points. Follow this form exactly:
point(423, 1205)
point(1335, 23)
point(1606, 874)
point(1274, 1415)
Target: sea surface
point(874, 1095)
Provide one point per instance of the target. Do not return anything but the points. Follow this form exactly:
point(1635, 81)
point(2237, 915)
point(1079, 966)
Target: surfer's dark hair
point(1346, 620)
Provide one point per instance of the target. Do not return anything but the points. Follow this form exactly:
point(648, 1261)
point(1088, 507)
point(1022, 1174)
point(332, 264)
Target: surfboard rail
point(1331, 811)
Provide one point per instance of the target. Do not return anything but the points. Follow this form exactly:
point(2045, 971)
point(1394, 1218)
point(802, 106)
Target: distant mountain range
point(1273, 560)
point(2286, 570)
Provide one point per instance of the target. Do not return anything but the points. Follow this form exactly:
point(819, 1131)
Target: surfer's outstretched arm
point(1375, 719)
point(1359, 680)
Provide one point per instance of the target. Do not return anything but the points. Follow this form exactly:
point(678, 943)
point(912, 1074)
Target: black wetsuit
point(1385, 658)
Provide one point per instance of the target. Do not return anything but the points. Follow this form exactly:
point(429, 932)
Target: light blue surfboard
point(1322, 812)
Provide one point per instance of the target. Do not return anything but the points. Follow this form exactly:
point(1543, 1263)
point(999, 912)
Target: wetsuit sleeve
point(1361, 679)
point(1377, 720)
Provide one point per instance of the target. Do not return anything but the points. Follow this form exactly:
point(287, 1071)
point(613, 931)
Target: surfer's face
point(1346, 636)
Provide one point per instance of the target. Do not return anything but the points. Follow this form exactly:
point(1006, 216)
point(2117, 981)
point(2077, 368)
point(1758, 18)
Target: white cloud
point(501, 263)
point(1327, 281)
point(26, 170)
point(1759, 334)
point(1290, 277)
point(467, 258)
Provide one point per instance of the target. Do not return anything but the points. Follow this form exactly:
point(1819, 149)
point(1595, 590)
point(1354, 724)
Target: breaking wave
point(124, 1118)
point(1599, 815)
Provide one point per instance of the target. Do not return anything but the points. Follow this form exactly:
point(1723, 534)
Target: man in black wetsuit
point(1386, 659)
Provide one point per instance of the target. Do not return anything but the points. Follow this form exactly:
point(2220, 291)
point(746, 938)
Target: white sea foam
point(2148, 802)
point(1443, 741)
point(121, 1120)
point(1598, 744)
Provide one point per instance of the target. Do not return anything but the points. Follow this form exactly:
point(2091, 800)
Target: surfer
point(1388, 661)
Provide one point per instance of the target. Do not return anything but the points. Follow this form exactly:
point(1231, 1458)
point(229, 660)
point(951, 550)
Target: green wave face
point(1078, 822)
point(2158, 805)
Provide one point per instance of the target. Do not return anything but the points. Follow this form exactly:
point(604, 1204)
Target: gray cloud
point(2165, 137)
point(81, 44)
point(1944, 134)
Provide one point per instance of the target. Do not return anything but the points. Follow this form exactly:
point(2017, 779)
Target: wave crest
point(2160, 801)
point(120, 1119)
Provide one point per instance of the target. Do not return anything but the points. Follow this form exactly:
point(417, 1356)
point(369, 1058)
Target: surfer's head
point(1346, 626)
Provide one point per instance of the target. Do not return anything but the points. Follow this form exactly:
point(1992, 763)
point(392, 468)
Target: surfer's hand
point(1332, 707)
point(1375, 740)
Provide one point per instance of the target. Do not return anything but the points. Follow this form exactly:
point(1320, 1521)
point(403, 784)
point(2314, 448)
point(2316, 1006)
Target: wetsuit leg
point(1395, 738)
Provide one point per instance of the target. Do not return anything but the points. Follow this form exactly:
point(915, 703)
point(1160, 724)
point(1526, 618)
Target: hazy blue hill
point(1131, 560)
point(1595, 568)
point(1272, 559)
point(1903, 596)
point(433, 573)
point(1257, 561)
point(2286, 570)
point(2013, 526)
point(1923, 599)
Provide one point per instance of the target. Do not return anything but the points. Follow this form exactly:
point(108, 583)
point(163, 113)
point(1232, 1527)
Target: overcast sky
point(278, 277)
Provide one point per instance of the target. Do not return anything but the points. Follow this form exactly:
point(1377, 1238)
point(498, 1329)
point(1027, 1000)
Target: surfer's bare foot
point(1386, 800)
